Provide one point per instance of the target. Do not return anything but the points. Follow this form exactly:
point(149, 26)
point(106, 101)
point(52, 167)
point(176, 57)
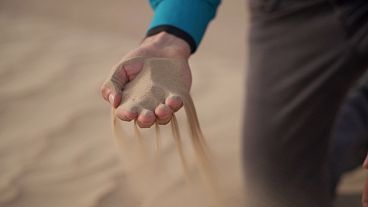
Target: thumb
point(111, 89)
point(111, 92)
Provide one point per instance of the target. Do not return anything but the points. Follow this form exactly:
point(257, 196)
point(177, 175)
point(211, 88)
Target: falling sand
point(160, 78)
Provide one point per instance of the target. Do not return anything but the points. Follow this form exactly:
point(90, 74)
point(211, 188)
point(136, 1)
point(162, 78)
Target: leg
point(301, 66)
point(349, 142)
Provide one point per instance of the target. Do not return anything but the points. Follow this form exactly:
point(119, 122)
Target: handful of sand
point(159, 78)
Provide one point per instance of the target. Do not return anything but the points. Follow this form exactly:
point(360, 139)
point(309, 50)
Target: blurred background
point(56, 145)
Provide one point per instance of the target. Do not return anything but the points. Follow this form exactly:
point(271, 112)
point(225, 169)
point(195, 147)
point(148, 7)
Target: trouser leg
point(301, 65)
point(350, 136)
point(349, 142)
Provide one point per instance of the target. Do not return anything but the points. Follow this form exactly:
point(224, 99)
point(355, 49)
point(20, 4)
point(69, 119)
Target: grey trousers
point(304, 57)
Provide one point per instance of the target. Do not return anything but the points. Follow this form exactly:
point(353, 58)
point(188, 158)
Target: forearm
point(186, 19)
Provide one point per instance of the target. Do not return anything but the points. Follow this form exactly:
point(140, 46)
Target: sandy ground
point(56, 146)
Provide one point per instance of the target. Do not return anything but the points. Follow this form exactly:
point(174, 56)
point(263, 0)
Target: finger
point(174, 102)
point(123, 73)
point(127, 113)
point(146, 118)
point(132, 68)
point(118, 80)
point(111, 93)
point(111, 89)
point(163, 114)
point(105, 91)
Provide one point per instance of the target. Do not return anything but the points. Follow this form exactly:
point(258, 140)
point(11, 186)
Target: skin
point(162, 45)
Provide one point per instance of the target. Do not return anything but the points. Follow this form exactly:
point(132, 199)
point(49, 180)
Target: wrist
point(167, 45)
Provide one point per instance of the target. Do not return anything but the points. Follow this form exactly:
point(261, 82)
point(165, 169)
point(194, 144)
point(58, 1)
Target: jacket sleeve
point(186, 19)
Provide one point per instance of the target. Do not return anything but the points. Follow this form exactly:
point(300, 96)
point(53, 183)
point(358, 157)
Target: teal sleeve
point(190, 16)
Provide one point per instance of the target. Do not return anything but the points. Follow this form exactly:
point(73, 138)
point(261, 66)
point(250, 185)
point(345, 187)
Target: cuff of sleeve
point(176, 32)
point(191, 17)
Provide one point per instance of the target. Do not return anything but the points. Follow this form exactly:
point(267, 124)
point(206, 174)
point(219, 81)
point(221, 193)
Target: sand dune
point(56, 145)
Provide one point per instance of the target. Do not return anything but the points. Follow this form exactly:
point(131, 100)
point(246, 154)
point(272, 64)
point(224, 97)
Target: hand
point(365, 190)
point(162, 45)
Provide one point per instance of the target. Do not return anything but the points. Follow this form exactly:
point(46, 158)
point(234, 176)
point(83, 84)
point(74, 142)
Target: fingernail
point(111, 99)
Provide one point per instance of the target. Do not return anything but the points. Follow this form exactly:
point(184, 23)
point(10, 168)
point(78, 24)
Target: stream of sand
point(159, 77)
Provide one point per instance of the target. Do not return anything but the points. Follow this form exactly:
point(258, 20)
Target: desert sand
point(56, 144)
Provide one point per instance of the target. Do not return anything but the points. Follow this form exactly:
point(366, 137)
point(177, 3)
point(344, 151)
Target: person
point(304, 56)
